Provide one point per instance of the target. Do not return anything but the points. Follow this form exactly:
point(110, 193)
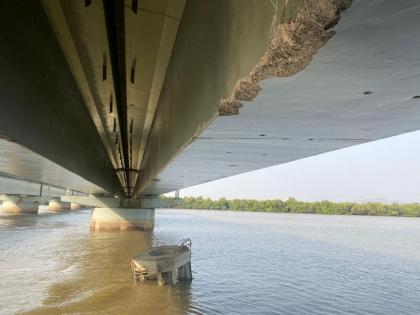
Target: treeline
point(294, 206)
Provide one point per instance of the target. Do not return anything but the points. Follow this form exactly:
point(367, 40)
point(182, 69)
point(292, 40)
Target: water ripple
point(243, 263)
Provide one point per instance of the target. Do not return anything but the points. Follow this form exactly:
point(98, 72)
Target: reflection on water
point(244, 263)
point(69, 269)
point(103, 281)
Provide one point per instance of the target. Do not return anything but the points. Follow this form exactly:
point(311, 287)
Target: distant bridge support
point(123, 219)
point(76, 206)
point(110, 213)
point(19, 205)
point(57, 206)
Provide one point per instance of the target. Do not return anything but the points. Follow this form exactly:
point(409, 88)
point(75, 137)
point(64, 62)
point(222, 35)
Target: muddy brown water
point(243, 263)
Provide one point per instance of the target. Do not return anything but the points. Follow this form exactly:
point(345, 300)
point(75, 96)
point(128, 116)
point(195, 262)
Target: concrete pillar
point(56, 206)
point(75, 206)
point(160, 278)
point(188, 271)
point(19, 205)
point(107, 219)
point(184, 272)
point(174, 276)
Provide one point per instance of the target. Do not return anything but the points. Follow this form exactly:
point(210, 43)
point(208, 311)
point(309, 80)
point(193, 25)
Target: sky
point(386, 170)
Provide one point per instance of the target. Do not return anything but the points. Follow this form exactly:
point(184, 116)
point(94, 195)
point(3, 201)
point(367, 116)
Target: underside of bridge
point(138, 98)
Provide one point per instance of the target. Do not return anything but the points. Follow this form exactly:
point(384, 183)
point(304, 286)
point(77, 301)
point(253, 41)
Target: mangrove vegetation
point(292, 205)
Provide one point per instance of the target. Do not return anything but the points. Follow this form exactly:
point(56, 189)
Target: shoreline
point(297, 213)
point(292, 205)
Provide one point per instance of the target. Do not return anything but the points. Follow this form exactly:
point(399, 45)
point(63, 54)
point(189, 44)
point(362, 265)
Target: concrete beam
point(82, 51)
point(16, 198)
point(14, 186)
point(210, 55)
point(112, 202)
point(41, 105)
point(19, 205)
point(93, 201)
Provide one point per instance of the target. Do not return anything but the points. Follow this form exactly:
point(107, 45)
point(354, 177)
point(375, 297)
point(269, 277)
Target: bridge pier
point(75, 206)
point(57, 206)
point(111, 213)
point(122, 219)
point(19, 205)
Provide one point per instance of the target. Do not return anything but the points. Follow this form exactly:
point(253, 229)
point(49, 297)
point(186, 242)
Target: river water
point(243, 263)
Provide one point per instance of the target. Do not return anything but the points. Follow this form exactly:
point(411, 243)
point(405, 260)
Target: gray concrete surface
point(60, 121)
point(360, 87)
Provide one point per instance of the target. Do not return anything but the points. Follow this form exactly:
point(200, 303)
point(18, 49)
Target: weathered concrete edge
point(209, 57)
point(291, 49)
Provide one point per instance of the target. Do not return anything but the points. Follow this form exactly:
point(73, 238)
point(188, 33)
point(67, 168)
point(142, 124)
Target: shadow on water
point(102, 282)
point(16, 221)
point(20, 220)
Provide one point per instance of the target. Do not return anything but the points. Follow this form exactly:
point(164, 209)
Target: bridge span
point(121, 101)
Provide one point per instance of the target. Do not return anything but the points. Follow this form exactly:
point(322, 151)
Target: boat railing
point(186, 242)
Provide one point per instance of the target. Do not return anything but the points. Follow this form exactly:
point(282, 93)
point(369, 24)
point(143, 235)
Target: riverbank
point(294, 206)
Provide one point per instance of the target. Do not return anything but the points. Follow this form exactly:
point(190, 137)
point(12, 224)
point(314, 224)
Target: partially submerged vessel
point(167, 264)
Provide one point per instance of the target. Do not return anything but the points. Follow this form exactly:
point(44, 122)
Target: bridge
point(112, 103)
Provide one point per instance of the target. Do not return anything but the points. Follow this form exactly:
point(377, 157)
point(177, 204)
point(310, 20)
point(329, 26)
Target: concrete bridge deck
point(138, 98)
